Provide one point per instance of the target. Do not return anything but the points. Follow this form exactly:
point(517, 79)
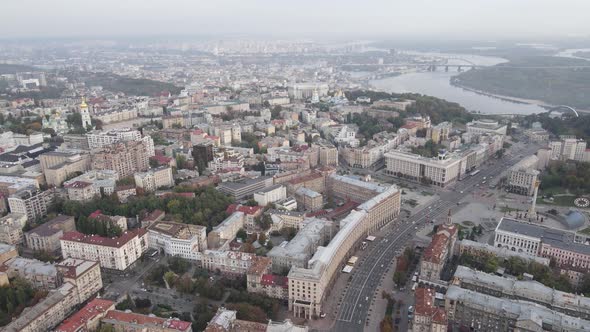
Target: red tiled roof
point(410, 125)
point(138, 319)
point(116, 242)
point(433, 253)
point(274, 280)
point(88, 312)
point(425, 306)
point(154, 215)
point(243, 208)
point(95, 214)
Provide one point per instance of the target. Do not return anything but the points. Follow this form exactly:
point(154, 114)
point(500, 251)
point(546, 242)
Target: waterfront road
point(352, 311)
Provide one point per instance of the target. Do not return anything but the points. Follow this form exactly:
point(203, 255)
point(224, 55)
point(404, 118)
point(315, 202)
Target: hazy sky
point(453, 19)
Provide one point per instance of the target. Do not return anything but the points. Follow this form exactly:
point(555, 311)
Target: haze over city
point(301, 166)
point(430, 19)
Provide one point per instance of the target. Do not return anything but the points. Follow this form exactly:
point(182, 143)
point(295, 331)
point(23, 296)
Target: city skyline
point(453, 20)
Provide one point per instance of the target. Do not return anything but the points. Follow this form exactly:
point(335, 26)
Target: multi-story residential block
point(31, 202)
point(299, 250)
point(251, 213)
point(467, 308)
point(486, 126)
point(260, 280)
point(83, 274)
point(98, 139)
point(229, 262)
point(88, 318)
point(523, 176)
point(176, 239)
point(7, 251)
point(132, 322)
point(246, 187)
point(270, 195)
point(45, 237)
point(348, 187)
point(226, 230)
point(525, 290)
point(440, 250)
point(154, 179)
point(309, 286)
point(48, 313)
point(11, 228)
point(112, 253)
point(427, 316)
point(11, 184)
point(328, 155)
point(315, 181)
point(58, 166)
point(306, 90)
point(440, 132)
point(39, 274)
point(308, 199)
point(568, 148)
point(92, 184)
point(126, 158)
point(286, 218)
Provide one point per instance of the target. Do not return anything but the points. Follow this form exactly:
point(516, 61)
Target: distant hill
point(558, 86)
point(13, 69)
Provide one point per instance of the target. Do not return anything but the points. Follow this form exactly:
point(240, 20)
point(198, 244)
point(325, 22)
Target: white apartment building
point(154, 179)
point(439, 171)
point(11, 228)
point(98, 139)
point(112, 253)
point(226, 231)
point(176, 239)
point(91, 184)
point(229, 262)
point(31, 203)
point(523, 176)
point(270, 195)
point(569, 148)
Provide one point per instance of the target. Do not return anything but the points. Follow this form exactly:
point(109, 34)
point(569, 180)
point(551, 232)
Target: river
point(438, 84)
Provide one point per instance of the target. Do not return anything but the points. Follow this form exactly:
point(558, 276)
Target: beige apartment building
point(48, 313)
point(176, 239)
point(59, 166)
point(230, 262)
point(308, 287)
point(126, 158)
point(11, 228)
point(154, 179)
point(112, 253)
point(328, 155)
point(31, 203)
point(45, 237)
point(83, 274)
point(226, 230)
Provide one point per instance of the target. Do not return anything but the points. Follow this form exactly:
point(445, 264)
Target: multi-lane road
point(357, 298)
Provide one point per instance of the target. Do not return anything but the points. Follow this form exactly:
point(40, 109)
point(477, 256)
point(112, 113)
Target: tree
point(261, 238)
point(249, 312)
point(106, 327)
point(178, 264)
point(170, 278)
point(242, 235)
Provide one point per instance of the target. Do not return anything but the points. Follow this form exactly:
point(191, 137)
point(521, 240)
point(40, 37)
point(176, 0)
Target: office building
point(226, 231)
point(58, 166)
point(92, 184)
point(176, 239)
point(270, 195)
point(440, 171)
point(523, 176)
point(349, 187)
point(40, 274)
point(246, 187)
point(308, 199)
